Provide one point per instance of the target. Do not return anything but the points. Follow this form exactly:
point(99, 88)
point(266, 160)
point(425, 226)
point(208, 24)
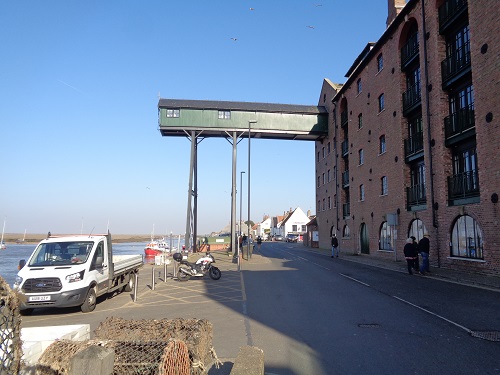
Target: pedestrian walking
point(259, 242)
point(424, 246)
point(335, 246)
point(411, 254)
point(416, 265)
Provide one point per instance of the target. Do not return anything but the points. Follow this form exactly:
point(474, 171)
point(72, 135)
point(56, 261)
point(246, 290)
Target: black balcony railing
point(345, 147)
point(456, 65)
point(343, 118)
point(414, 145)
point(460, 122)
point(462, 186)
point(450, 11)
point(415, 196)
point(409, 51)
point(345, 179)
point(346, 210)
point(411, 98)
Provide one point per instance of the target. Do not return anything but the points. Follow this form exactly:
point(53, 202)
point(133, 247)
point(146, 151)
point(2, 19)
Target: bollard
point(135, 286)
point(165, 271)
point(153, 278)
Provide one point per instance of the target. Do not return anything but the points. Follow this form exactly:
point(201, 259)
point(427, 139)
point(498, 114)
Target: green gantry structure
point(199, 119)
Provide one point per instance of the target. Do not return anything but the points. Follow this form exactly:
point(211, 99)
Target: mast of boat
point(2, 245)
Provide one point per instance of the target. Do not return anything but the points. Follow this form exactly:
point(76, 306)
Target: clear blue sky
point(79, 86)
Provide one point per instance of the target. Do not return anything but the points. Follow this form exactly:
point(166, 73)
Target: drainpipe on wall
point(428, 115)
point(336, 165)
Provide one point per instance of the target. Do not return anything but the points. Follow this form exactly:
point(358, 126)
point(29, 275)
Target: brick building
point(414, 139)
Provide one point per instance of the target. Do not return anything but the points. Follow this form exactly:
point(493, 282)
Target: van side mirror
point(21, 264)
point(99, 261)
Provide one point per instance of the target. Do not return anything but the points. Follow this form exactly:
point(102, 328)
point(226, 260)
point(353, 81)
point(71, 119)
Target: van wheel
point(130, 285)
point(90, 301)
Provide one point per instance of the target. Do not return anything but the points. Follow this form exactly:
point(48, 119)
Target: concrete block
point(94, 360)
point(250, 361)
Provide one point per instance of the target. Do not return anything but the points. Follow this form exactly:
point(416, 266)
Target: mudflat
point(35, 238)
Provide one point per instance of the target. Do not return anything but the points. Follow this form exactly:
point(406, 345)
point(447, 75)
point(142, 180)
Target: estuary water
point(9, 258)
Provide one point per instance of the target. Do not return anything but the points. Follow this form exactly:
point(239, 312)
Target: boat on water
point(157, 247)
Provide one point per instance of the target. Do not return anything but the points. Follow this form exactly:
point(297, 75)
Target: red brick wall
point(483, 18)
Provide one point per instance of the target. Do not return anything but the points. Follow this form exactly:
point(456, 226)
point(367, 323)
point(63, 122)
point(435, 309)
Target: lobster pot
point(147, 358)
point(197, 334)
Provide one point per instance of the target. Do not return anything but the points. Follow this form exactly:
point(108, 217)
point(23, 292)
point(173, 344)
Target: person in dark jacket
point(335, 246)
point(411, 254)
point(423, 248)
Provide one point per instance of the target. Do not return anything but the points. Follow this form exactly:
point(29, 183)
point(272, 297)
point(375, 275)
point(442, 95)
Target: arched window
point(466, 238)
point(346, 233)
point(385, 237)
point(417, 229)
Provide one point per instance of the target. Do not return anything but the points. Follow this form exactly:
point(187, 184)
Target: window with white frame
point(382, 148)
point(173, 113)
point(360, 121)
point(361, 156)
point(385, 237)
point(304, 228)
point(380, 62)
point(329, 203)
point(466, 238)
point(224, 115)
point(329, 178)
point(383, 185)
point(381, 103)
point(329, 148)
point(361, 192)
point(359, 86)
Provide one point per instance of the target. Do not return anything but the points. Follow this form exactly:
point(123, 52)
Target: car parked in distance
point(290, 237)
point(278, 237)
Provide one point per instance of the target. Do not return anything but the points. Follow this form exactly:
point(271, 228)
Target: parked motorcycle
point(202, 266)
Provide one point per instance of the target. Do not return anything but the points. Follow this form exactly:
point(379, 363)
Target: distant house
point(276, 225)
point(295, 222)
point(264, 228)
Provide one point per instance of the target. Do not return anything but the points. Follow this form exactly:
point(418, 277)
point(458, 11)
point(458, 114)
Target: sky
point(80, 149)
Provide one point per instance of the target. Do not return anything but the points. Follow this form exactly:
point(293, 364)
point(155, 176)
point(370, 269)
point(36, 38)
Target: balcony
point(463, 188)
point(414, 147)
point(409, 52)
point(415, 196)
point(449, 12)
point(343, 118)
point(459, 126)
point(346, 210)
point(345, 148)
point(345, 179)
point(456, 66)
point(411, 98)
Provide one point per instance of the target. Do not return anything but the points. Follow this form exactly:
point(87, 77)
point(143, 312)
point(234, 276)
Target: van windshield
point(61, 253)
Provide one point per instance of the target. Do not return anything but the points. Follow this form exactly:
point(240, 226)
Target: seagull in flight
point(234, 39)
point(311, 27)
point(252, 9)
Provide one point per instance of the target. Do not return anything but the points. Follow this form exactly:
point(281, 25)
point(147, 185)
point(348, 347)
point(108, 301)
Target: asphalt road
point(312, 314)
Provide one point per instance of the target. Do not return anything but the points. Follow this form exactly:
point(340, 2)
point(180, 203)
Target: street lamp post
point(241, 196)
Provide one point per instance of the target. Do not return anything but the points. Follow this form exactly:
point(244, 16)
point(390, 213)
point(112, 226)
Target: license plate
point(39, 298)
